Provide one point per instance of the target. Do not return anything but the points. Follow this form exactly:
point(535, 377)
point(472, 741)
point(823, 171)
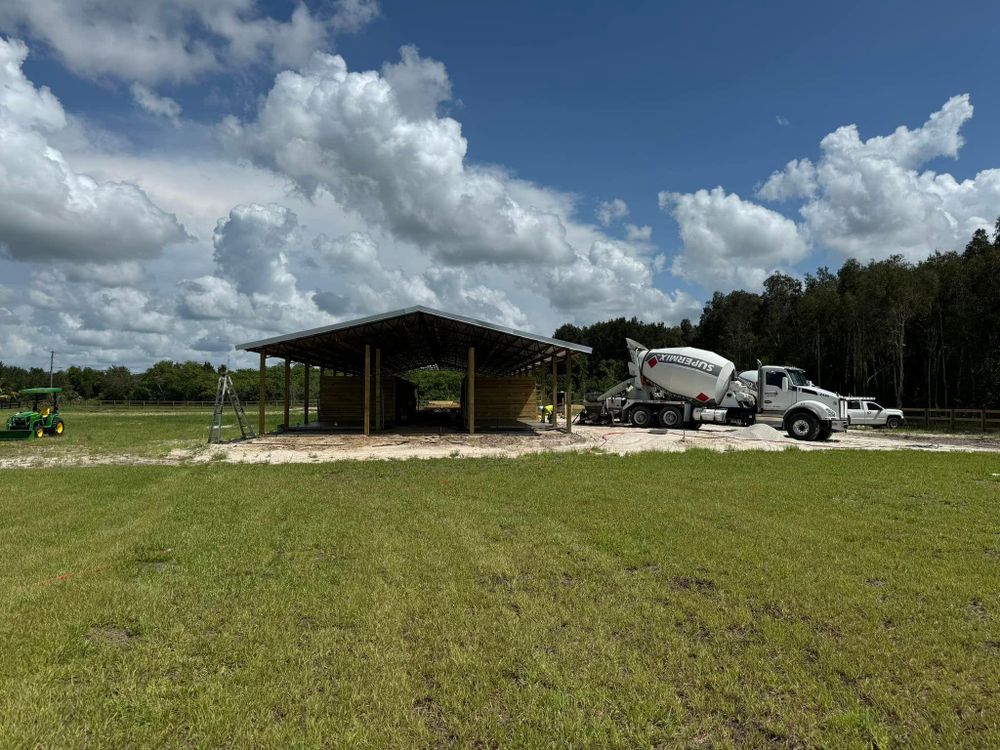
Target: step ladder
point(225, 389)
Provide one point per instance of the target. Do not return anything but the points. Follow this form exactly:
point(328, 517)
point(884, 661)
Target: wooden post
point(305, 413)
point(982, 420)
point(569, 392)
point(951, 420)
point(470, 390)
point(288, 390)
point(927, 417)
point(378, 389)
point(555, 393)
point(368, 388)
point(261, 394)
point(319, 395)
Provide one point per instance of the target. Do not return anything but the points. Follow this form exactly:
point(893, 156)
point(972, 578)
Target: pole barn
point(361, 362)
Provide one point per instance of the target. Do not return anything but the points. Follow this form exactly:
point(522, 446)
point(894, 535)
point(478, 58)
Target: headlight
point(830, 412)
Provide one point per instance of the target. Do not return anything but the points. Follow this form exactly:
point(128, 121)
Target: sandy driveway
point(320, 447)
point(617, 439)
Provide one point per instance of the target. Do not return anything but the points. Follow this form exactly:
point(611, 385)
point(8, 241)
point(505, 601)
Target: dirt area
point(319, 447)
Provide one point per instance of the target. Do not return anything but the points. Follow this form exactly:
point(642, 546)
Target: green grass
point(147, 433)
point(800, 599)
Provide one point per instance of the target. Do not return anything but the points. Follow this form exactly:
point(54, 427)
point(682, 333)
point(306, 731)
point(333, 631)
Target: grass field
point(152, 433)
point(699, 599)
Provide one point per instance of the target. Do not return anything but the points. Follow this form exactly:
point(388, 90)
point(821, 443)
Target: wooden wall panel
point(342, 399)
point(505, 401)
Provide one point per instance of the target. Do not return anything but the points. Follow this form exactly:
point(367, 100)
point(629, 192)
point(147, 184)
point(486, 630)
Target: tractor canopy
point(39, 391)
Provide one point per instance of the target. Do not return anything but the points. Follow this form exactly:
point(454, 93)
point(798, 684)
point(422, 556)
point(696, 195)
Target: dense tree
point(908, 334)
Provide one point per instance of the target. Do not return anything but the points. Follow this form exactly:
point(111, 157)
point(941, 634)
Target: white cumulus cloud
point(348, 133)
point(610, 211)
point(731, 243)
point(154, 104)
point(870, 198)
point(48, 210)
point(154, 41)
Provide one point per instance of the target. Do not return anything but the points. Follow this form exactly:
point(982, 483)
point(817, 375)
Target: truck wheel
point(58, 428)
point(894, 423)
point(671, 417)
point(824, 433)
point(641, 416)
point(803, 426)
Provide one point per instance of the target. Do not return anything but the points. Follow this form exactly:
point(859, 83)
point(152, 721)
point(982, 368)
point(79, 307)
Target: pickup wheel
point(671, 417)
point(803, 426)
point(894, 423)
point(641, 416)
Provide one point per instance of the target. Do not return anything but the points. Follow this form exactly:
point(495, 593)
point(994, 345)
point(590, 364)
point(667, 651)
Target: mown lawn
point(800, 599)
point(147, 433)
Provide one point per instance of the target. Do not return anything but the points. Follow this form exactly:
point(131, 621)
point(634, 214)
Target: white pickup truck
point(863, 411)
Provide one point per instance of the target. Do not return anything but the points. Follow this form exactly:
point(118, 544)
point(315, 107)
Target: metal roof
point(415, 338)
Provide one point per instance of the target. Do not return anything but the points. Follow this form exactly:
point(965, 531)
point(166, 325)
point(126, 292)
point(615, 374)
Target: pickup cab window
point(872, 406)
point(853, 404)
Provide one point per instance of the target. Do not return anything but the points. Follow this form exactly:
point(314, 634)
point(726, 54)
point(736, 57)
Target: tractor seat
point(45, 412)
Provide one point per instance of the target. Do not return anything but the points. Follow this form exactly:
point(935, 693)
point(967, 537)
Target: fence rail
point(964, 419)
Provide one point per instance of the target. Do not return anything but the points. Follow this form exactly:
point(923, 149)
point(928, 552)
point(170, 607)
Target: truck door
point(777, 396)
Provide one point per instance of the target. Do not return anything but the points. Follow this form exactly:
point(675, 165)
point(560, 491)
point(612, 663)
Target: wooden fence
point(982, 420)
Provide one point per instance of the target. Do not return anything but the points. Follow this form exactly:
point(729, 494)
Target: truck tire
point(824, 433)
point(641, 416)
point(671, 417)
point(803, 426)
point(894, 422)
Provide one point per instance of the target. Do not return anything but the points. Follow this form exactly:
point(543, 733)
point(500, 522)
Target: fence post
point(927, 418)
point(951, 420)
point(982, 420)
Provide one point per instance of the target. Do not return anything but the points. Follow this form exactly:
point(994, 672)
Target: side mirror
point(784, 382)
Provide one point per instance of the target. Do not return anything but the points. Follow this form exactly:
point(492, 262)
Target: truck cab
point(803, 409)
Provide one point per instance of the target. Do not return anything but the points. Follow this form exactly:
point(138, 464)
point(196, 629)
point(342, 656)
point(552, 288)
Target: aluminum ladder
point(224, 389)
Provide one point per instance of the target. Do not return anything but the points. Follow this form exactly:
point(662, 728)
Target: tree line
point(164, 381)
point(913, 334)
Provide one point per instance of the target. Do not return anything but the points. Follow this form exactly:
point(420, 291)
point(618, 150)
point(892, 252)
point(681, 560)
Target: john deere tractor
point(43, 419)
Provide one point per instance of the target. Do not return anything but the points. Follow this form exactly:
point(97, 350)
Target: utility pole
point(52, 363)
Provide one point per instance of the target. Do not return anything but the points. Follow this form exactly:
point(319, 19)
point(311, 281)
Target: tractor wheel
point(641, 416)
point(803, 426)
point(58, 427)
point(39, 430)
point(671, 417)
point(894, 423)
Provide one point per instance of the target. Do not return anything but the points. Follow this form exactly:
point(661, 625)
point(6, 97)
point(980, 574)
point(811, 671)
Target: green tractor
point(43, 419)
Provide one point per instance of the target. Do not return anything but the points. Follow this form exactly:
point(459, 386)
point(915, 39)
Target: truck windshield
point(797, 377)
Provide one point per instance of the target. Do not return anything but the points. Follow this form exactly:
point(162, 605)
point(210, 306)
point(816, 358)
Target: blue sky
point(652, 104)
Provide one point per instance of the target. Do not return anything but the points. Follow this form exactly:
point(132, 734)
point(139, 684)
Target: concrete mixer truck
point(687, 387)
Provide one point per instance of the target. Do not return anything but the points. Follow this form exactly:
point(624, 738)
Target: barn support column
point(555, 393)
point(305, 415)
point(288, 390)
point(569, 392)
point(470, 390)
point(261, 394)
point(379, 421)
point(368, 389)
point(319, 395)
